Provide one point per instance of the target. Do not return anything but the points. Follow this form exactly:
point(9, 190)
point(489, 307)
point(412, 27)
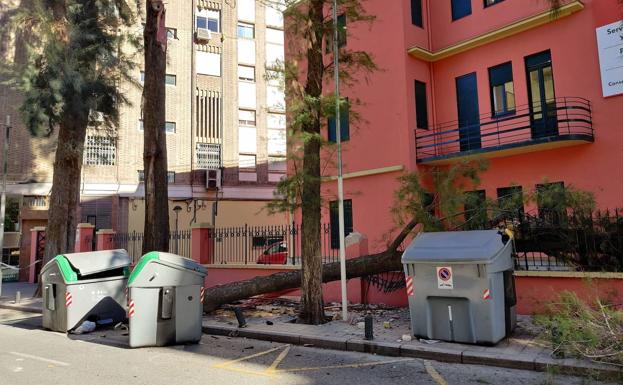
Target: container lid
point(167, 259)
point(95, 261)
point(480, 246)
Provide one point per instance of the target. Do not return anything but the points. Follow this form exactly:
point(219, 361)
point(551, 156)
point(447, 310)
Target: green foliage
point(74, 61)
point(578, 329)
point(11, 214)
point(308, 111)
point(435, 196)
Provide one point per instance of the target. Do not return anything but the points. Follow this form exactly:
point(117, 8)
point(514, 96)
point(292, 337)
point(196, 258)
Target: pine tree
point(74, 61)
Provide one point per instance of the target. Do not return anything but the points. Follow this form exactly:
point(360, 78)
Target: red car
point(275, 254)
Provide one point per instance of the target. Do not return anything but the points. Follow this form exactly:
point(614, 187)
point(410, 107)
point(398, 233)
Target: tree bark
point(312, 307)
point(355, 268)
point(388, 260)
point(63, 218)
point(156, 236)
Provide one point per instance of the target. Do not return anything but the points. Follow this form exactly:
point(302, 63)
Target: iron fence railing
point(270, 245)
point(179, 243)
point(565, 118)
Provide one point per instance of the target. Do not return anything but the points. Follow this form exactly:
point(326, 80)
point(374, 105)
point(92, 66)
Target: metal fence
point(179, 243)
point(270, 245)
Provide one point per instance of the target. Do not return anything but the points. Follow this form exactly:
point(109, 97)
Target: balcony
point(559, 122)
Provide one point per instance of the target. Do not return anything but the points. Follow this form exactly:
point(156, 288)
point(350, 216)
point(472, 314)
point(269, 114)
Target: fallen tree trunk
point(389, 260)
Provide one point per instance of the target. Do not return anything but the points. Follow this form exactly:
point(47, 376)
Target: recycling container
point(165, 300)
point(82, 286)
point(460, 286)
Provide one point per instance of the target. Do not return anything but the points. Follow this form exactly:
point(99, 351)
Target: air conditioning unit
point(213, 179)
point(203, 35)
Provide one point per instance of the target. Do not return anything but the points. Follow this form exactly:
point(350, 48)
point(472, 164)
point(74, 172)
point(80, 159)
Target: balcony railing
point(555, 123)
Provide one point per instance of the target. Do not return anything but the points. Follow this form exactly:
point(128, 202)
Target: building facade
point(506, 80)
point(225, 125)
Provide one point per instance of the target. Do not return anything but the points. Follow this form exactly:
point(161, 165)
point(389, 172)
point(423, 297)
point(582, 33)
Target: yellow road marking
point(434, 373)
point(228, 363)
point(346, 365)
point(282, 355)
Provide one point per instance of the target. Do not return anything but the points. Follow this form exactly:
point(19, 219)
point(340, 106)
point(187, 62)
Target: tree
point(307, 70)
point(155, 141)
point(73, 65)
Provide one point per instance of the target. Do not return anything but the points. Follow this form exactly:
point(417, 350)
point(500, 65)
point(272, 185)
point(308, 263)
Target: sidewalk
point(274, 323)
point(521, 351)
point(26, 303)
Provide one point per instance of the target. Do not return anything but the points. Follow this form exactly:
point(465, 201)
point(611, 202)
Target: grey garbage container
point(460, 286)
point(165, 300)
point(84, 285)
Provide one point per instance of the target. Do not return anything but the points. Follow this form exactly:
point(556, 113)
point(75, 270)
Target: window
point(263, 241)
point(208, 63)
point(170, 176)
point(510, 202)
point(247, 97)
point(277, 164)
point(246, 162)
point(208, 156)
point(246, 10)
point(141, 176)
point(421, 105)
point(172, 33)
point(416, 12)
point(246, 31)
point(246, 73)
point(489, 3)
point(275, 98)
point(246, 118)
point(170, 79)
point(209, 19)
point(99, 151)
point(344, 124)
point(475, 208)
point(169, 127)
point(246, 51)
point(502, 90)
point(276, 132)
point(341, 34)
point(247, 139)
point(461, 8)
point(334, 218)
point(274, 13)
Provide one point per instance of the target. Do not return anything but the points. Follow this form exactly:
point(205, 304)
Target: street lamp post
point(340, 179)
point(5, 163)
point(177, 210)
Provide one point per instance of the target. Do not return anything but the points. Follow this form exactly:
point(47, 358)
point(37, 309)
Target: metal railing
point(269, 245)
point(565, 118)
point(179, 243)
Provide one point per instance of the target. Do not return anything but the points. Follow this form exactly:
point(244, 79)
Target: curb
point(541, 363)
point(24, 308)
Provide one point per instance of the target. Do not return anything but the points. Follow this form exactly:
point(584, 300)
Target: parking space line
point(228, 363)
point(434, 373)
point(49, 361)
point(278, 360)
point(345, 366)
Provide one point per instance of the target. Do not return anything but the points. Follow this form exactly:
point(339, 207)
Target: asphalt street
point(30, 355)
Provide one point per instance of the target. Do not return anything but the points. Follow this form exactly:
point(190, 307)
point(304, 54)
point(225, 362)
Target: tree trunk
point(156, 235)
point(388, 260)
point(60, 233)
point(356, 267)
point(312, 307)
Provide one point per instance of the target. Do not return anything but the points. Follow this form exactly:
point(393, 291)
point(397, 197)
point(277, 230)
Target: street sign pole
point(340, 179)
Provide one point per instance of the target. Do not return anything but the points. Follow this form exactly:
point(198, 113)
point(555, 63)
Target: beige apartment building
point(226, 134)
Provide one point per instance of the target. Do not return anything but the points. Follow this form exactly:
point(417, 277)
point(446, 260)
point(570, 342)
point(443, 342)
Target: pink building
point(503, 79)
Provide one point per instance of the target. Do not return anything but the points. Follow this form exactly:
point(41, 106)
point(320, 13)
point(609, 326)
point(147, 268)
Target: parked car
point(275, 254)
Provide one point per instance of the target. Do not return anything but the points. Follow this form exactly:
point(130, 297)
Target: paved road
point(29, 355)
